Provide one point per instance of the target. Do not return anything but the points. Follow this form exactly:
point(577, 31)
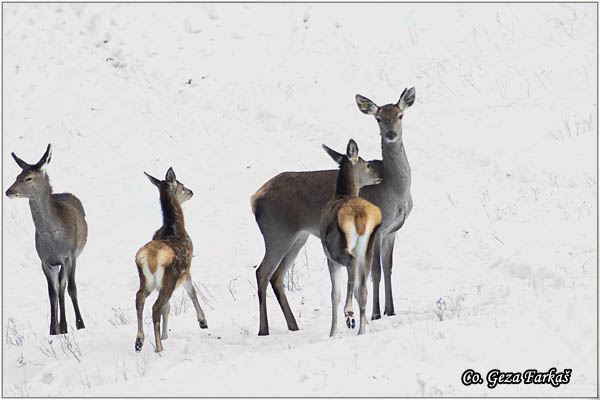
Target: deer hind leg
point(163, 298)
point(279, 275)
point(191, 291)
point(62, 285)
point(364, 248)
point(51, 273)
point(72, 289)
point(334, 273)
point(140, 299)
point(348, 312)
point(361, 295)
point(277, 246)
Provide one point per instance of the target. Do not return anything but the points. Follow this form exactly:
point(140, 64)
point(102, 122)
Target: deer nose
point(10, 193)
point(390, 135)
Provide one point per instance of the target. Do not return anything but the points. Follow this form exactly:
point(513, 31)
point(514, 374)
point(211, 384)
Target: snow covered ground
point(495, 268)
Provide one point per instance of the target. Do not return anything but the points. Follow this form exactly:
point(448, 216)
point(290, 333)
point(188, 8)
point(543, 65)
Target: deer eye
point(28, 179)
point(400, 116)
point(378, 119)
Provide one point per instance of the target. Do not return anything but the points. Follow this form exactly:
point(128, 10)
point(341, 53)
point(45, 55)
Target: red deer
point(60, 235)
point(348, 228)
point(288, 208)
point(164, 263)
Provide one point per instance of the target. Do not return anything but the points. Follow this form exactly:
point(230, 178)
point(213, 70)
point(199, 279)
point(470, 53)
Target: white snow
point(495, 268)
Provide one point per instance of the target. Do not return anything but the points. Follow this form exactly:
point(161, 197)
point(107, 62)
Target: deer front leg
point(387, 257)
point(62, 285)
point(140, 299)
point(191, 291)
point(51, 274)
point(376, 277)
point(72, 289)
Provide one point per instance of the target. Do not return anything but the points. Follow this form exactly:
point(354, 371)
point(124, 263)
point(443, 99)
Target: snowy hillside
point(496, 266)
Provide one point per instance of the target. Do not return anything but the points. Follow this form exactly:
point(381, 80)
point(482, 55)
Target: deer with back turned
point(60, 235)
point(164, 263)
point(287, 209)
point(348, 229)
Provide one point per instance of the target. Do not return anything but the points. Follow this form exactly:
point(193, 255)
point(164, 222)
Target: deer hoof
point(293, 327)
point(390, 313)
point(138, 345)
point(350, 322)
point(79, 324)
point(203, 324)
point(375, 316)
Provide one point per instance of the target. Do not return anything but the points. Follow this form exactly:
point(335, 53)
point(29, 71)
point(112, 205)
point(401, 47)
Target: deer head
point(32, 179)
point(389, 117)
point(172, 186)
point(366, 172)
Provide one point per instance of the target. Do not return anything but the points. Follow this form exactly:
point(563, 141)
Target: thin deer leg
point(163, 298)
point(62, 285)
point(72, 289)
point(51, 273)
point(334, 274)
point(140, 299)
point(165, 321)
point(191, 291)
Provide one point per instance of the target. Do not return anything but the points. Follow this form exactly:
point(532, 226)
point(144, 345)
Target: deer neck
point(347, 184)
point(396, 170)
point(43, 210)
point(173, 223)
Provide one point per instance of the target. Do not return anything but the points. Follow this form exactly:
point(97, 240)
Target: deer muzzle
point(391, 136)
point(11, 194)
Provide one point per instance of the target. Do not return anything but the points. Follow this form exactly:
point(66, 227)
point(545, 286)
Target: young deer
point(164, 263)
point(60, 235)
point(348, 228)
point(288, 208)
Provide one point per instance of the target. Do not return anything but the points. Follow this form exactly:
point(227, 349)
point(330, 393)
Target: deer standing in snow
point(60, 235)
point(348, 229)
point(164, 263)
point(288, 208)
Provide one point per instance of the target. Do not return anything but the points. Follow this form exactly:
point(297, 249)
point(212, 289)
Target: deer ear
point(20, 162)
point(45, 158)
point(407, 98)
point(170, 176)
point(366, 106)
point(153, 180)
point(337, 157)
point(352, 151)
